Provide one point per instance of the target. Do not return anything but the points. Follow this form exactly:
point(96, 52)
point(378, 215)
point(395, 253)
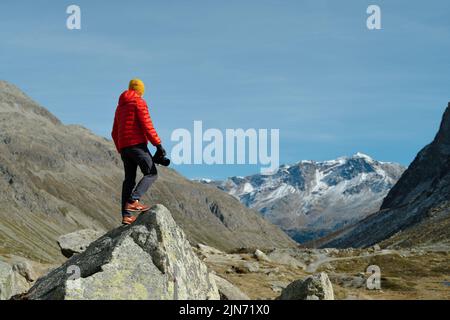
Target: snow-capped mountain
point(312, 199)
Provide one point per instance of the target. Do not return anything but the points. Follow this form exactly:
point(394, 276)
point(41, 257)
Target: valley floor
point(405, 274)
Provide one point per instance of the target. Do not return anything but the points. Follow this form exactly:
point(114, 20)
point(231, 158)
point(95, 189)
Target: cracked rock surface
point(149, 260)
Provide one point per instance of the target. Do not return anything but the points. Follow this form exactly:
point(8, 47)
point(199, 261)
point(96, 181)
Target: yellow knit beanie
point(138, 86)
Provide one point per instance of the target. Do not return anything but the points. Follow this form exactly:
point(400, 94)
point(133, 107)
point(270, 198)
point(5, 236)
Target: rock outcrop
point(149, 260)
point(261, 256)
point(284, 257)
point(6, 281)
point(228, 291)
point(78, 241)
point(17, 274)
point(315, 287)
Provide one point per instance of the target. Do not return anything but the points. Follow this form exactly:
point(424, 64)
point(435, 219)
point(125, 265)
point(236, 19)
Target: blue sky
point(309, 68)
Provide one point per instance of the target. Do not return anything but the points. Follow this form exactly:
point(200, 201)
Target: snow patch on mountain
point(311, 199)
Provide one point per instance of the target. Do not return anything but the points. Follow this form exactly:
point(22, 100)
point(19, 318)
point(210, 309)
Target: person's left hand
point(161, 151)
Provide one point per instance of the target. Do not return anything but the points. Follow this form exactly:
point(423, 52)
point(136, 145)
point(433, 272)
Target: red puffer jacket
point(132, 122)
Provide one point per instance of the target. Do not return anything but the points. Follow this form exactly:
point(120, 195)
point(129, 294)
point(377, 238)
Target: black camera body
point(160, 159)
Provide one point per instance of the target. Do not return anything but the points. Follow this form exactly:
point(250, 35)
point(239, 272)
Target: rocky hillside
point(56, 178)
point(312, 199)
point(417, 209)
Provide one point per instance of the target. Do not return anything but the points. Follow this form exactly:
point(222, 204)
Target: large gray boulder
point(24, 268)
point(315, 287)
point(261, 256)
point(6, 281)
point(78, 241)
point(16, 276)
point(283, 256)
point(149, 260)
point(229, 291)
point(24, 274)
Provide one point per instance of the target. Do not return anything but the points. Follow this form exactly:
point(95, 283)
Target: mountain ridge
point(310, 199)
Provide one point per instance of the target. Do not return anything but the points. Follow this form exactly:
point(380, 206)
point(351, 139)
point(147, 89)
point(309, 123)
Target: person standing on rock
point(132, 130)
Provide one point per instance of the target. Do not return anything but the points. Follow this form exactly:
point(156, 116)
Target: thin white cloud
point(83, 44)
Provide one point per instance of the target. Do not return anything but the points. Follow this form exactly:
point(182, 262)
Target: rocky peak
point(7, 88)
point(429, 166)
point(12, 99)
point(417, 208)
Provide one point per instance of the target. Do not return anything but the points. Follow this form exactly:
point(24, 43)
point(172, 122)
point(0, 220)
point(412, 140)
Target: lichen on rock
point(149, 260)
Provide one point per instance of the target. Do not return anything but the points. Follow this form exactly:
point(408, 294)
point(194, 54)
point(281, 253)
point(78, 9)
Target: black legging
point(132, 157)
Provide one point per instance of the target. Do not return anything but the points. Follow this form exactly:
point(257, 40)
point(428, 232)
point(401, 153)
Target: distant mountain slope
point(55, 179)
point(312, 199)
point(417, 209)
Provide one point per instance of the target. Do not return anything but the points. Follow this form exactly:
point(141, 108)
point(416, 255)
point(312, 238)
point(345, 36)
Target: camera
point(160, 159)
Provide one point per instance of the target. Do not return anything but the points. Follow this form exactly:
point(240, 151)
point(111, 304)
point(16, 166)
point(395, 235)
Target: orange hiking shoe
point(127, 220)
point(136, 206)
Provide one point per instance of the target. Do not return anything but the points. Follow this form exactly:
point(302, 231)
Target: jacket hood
point(128, 96)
